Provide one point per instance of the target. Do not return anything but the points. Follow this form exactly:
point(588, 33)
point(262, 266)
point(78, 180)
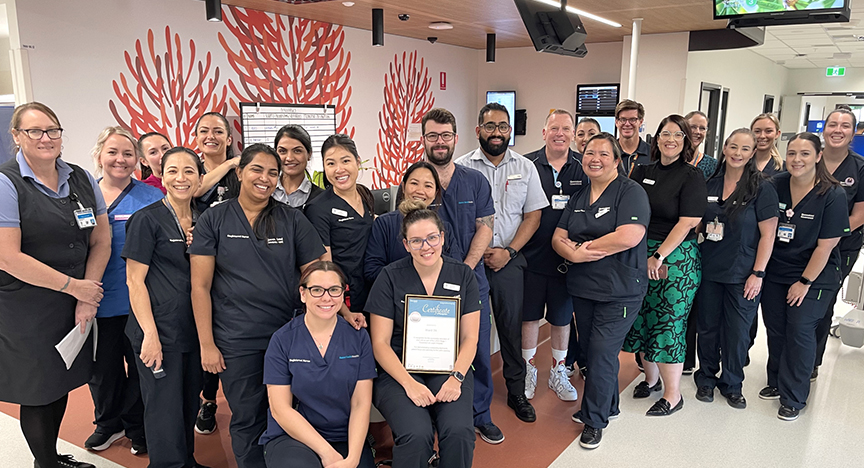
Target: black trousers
point(41, 427)
point(847, 260)
point(792, 340)
point(286, 452)
point(603, 326)
point(690, 336)
point(243, 385)
point(724, 323)
point(210, 386)
point(170, 409)
point(114, 384)
point(506, 287)
point(414, 427)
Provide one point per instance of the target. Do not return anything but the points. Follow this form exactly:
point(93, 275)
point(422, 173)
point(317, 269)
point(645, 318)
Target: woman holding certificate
point(418, 390)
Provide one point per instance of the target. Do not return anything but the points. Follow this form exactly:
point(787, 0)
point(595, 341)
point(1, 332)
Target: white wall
point(542, 82)
point(812, 80)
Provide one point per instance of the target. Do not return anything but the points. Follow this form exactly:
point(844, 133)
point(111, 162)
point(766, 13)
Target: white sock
point(528, 355)
point(558, 357)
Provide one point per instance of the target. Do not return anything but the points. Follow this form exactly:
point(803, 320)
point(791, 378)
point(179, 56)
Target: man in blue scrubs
point(467, 205)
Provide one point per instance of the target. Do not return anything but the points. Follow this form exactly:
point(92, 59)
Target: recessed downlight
point(440, 26)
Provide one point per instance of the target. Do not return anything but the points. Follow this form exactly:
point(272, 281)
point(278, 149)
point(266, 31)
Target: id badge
point(85, 218)
point(785, 232)
point(714, 231)
point(559, 202)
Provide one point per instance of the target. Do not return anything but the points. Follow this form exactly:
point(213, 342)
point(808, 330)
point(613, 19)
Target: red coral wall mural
point(407, 96)
point(167, 92)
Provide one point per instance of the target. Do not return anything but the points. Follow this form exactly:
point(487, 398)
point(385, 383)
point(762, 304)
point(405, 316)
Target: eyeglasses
point(432, 137)
point(697, 128)
point(434, 240)
point(318, 291)
point(667, 135)
point(490, 127)
point(631, 121)
point(36, 133)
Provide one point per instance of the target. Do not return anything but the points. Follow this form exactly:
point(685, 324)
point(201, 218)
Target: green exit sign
point(835, 71)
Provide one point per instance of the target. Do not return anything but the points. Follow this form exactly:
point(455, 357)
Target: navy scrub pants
point(792, 340)
point(414, 427)
point(243, 386)
point(724, 323)
point(286, 452)
point(603, 326)
point(847, 260)
point(506, 296)
point(482, 365)
point(170, 409)
point(114, 384)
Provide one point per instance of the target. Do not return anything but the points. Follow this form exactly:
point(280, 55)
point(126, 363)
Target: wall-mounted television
point(596, 99)
point(508, 100)
point(749, 13)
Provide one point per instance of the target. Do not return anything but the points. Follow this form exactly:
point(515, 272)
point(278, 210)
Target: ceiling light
point(214, 10)
point(348, 4)
point(581, 13)
point(440, 25)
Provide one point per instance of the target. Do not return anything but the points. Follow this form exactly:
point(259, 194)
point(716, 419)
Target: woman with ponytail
point(294, 146)
point(766, 127)
point(213, 137)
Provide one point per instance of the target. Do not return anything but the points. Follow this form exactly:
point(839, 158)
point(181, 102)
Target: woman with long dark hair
point(213, 137)
point(294, 145)
point(151, 147)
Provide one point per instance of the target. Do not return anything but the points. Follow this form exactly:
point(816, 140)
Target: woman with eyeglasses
point(766, 127)
point(294, 146)
point(327, 366)
point(55, 241)
point(244, 253)
point(698, 122)
point(416, 405)
point(677, 194)
point(601, 234)
point(151, 147)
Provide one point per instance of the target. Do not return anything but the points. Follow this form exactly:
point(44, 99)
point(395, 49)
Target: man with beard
point(519, 199)
point(634, 150)
point(466, 203)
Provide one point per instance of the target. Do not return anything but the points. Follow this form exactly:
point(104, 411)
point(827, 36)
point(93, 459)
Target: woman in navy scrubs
point(151, 147)
point(416, 405)
point(585, 129)
point(114, 385)
point(244, 253)
point(601, 234)
point(161, 327)
point(343, 215)
point(213, 138)
point(328, 366)
point(804, 270)
point(739, 228)
point(294, 146)
point(677, 194)
point(766, 127)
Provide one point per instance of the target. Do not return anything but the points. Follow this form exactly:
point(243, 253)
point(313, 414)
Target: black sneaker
point(644, 391)
point(139, 446)
point(705, 394)
point(522, 407)
point(814, 374)
point(99, 441)
point(736, 400)
point(66, 461)
point(490, 433)
point(577, 417)
point(206, 421)
point(591, 437)
point(787, 413)
point(769, 393)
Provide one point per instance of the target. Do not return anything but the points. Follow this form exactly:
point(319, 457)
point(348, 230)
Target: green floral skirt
point(661, 327)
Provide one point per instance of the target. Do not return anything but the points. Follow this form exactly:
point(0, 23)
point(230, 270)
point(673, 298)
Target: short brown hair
point(15, 122)
point(629, 104)
point(438, 115)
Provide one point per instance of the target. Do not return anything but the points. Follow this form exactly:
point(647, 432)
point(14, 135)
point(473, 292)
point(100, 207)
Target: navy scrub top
point(321, 386)
point(346, 233)
point(538, 251)
point(850, 173)
point(730, 261)
point(468, 197)
point(387, 297)
point(770, 171)
point(815, 217)
point(619, 277)
point(676, 190)
point(227, 188)
point(154, 239)
point(254, 290)
point(385, 244)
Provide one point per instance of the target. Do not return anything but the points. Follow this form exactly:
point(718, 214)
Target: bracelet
point(68, 279)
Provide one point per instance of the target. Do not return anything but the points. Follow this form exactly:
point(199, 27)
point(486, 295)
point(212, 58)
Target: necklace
point(321, 346)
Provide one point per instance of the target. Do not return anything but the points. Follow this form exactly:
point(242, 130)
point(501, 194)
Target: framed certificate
point(430, 341)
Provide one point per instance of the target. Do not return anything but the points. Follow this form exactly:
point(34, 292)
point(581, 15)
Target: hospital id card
point(85, 218)
point(785, 232)
point(559, 202)
point(714, 231)
point(430, 342)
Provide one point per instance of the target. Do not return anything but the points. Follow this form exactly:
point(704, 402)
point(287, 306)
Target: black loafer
point(522, 407)
point(769, 393)
point(815, 374)
point(736, 400)
point(787, 413)
point(590, 438)
point(644, 391)
point(705, 394)
point(663, 408)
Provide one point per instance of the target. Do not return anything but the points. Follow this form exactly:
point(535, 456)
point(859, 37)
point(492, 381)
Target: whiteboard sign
point(261, 122)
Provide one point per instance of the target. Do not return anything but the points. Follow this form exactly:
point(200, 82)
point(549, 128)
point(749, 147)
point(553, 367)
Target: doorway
point(713, 101)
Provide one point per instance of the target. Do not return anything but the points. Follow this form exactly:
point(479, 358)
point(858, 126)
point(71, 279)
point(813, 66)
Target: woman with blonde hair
point(766, 127)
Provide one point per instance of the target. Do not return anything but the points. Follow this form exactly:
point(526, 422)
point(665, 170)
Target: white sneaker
point(559, 382)
point(530, 380)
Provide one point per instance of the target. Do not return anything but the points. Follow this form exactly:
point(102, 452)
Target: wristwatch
point(458, 376)
point(512, 251)
point(759, 273)
point(804, 281)
point(658, 256)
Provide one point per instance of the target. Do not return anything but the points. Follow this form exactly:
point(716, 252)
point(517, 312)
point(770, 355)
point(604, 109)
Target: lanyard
point(176, 219)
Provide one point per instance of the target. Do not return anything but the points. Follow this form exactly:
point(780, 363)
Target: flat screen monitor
point(508, 100)
point(607, 123)
point(776, 12)
point(596, 99)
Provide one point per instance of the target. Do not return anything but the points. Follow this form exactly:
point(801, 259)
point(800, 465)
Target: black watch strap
point(458, 376)
point(804, 281)
point(512, 251)
point(759, 273)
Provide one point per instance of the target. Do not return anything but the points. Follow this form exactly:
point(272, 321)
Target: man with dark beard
point(519, 199)
point(466, 203)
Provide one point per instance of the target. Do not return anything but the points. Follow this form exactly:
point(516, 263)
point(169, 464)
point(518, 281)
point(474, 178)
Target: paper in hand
point(71, 344)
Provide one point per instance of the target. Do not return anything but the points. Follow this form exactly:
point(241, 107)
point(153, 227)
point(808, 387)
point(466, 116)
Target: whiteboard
point(261, 121)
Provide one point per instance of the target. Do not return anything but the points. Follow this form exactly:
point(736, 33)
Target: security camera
point(404, 17)
point(432, 39)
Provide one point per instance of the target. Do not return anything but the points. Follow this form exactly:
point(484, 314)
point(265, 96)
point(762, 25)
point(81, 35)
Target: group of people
point(216, 268)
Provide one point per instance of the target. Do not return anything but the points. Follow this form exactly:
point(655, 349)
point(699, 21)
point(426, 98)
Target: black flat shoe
point(787, 413)
point(705, 394)
point(522, 407)
point(769, 393)
point(736, 400)
point(591, 437)
point(644, 391)
point(662, 407)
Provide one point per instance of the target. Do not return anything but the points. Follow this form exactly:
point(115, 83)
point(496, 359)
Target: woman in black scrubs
point(55, 241)
point(804, 270)
point(327, 367)
point(343, 216)
point(739, 228)
point(416, 405)
point(162, 327)
point(585, 129)
point(244, 253)
point(294, 145)
point(766, 127)
point(602, 234)
point(213, 138)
